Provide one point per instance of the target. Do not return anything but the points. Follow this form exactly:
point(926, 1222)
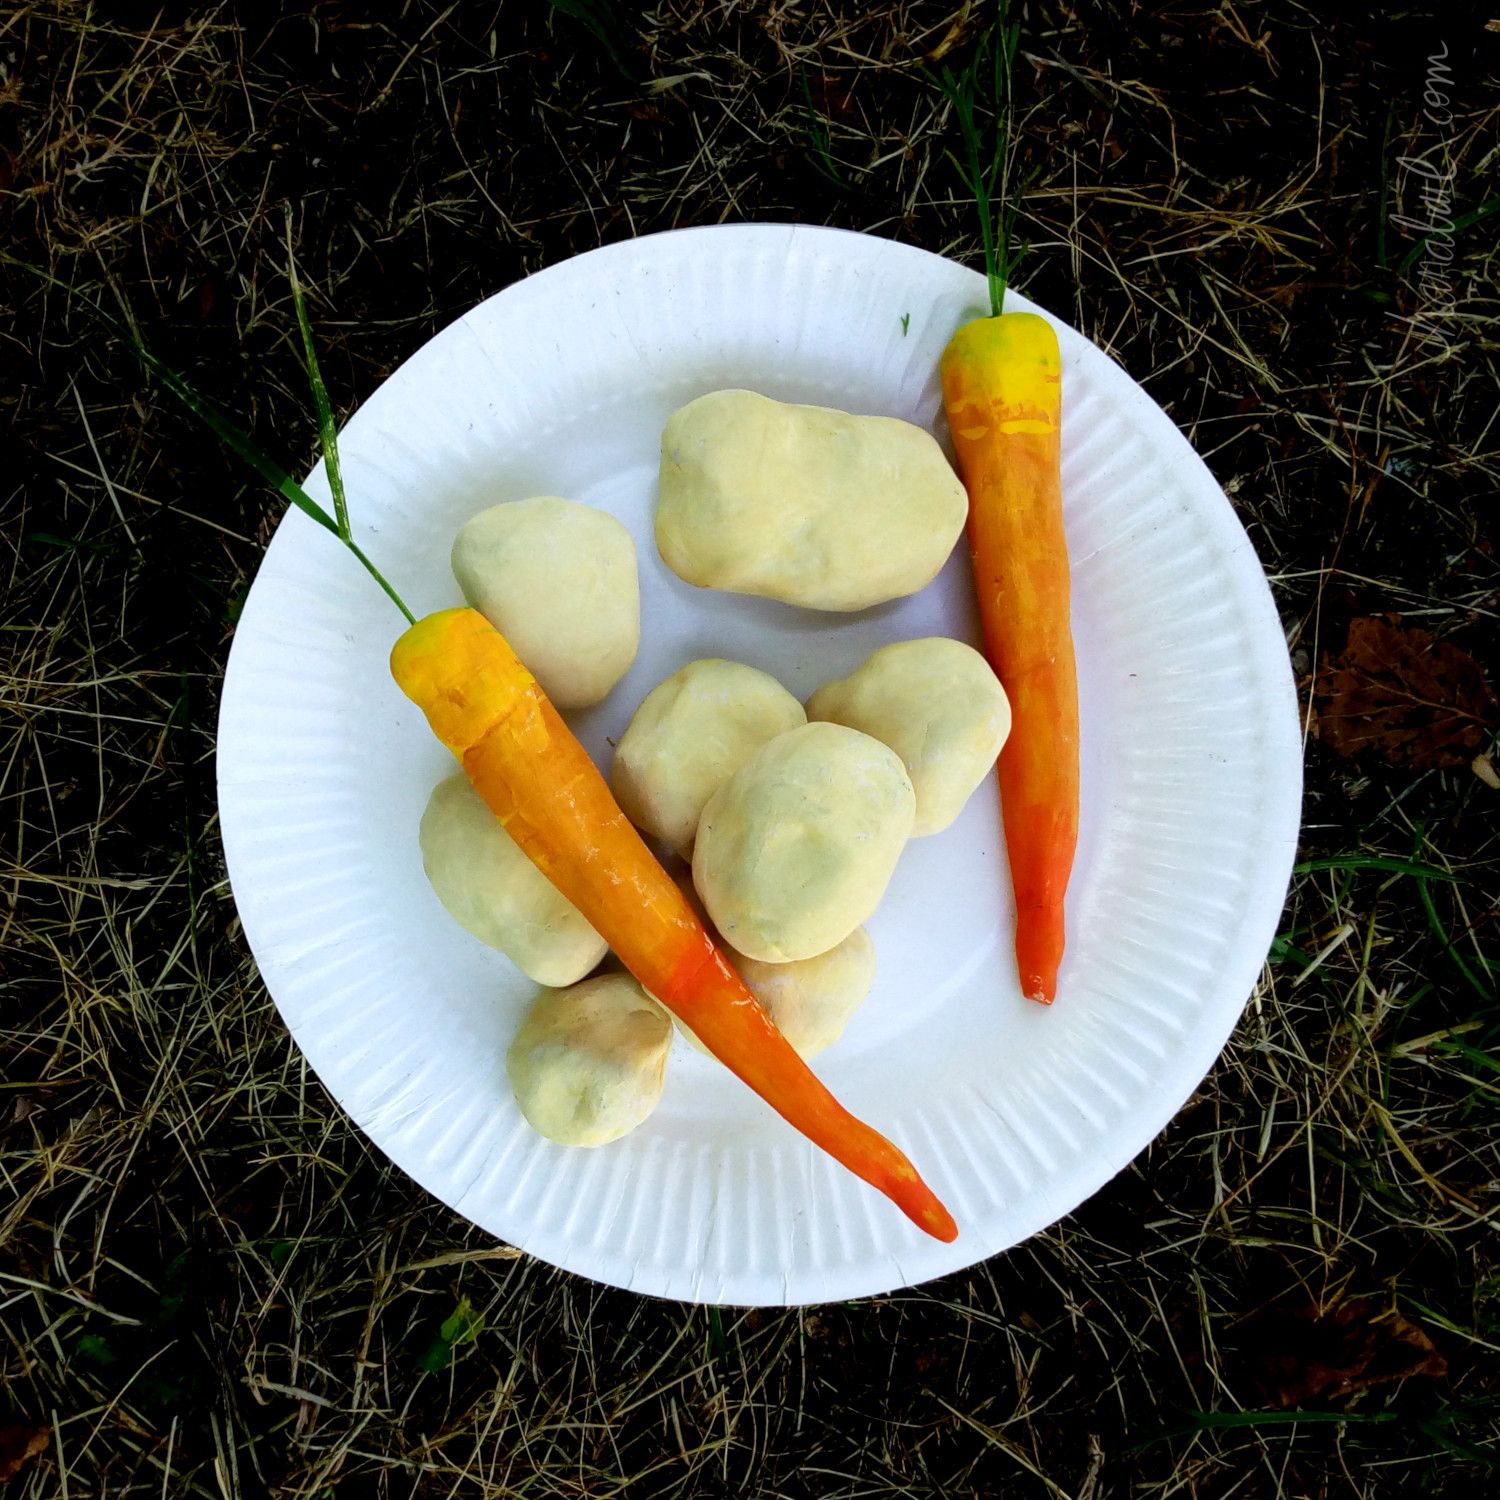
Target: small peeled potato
point(938, 704)
point(803, 503)
point(796, 849)
point(558, 580)
point(689, 736)
point(588, 1063)
point(493, 890)
point(811, 1000)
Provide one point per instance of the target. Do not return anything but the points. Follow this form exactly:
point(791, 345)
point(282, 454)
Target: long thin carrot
point(524, 761)
point(488, 709)
point(1002, 389)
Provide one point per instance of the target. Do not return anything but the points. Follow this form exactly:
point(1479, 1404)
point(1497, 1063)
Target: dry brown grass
point(209, 1283)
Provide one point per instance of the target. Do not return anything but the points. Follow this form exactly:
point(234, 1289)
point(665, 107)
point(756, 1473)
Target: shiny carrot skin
point(1002, 389)
point(539, 781)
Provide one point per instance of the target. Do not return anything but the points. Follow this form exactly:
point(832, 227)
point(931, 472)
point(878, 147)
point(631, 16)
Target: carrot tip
point(947, 1230)
point(937, 1221)
point(1043, 993)
point(1038, 969)
point(920, 1204)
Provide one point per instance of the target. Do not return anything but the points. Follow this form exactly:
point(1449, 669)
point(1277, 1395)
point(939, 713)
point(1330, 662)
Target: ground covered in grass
point(209, 1282)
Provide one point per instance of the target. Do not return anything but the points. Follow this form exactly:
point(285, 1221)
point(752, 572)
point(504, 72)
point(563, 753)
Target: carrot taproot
point(1002, 391)
point(524, 761)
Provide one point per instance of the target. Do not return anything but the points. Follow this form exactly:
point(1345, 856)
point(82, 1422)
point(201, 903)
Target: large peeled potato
point(803, 503)
point(587, 1064)
point(689, 736)
point(796, 849)
point(938, 704)
point(492, 889)
point(558, 580)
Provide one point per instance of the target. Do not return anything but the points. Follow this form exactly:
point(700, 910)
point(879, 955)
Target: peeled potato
point(689, 736)
point(558, 580)
point(796, 849)
point(938, 704)
point(493, 890)
point(812, 999)
point(803, 503)
point(588, 1063)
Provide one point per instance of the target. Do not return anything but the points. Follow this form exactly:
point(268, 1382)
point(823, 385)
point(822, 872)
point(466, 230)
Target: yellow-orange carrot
point(1002, 389)
point(524, 761)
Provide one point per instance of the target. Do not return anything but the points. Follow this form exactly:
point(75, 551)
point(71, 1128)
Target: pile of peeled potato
point(788, 818)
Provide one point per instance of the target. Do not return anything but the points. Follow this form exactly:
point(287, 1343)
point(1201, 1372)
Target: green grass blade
point(1385, 188)
point(233, 437)
point(1206, 1421)
point(328, 436)
point(1436, 1428)
point(1454, 1047)
point(1464, 221)
point(1375, 862)
point(994, 268)
point(603, 20)
point(820, 138)
point(965, 91)
point(1465, 1451)
point(1213, 1421)
point(270, 470)
point(1284, 951)
point(1440, 932)
point(716, 1340)
point(204, 410)
point(327, 433)
point(380, 578)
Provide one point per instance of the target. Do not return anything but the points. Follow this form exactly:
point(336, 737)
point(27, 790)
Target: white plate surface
point(1015, 1113)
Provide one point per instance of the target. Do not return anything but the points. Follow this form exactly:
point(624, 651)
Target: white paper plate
point(1014, 1113)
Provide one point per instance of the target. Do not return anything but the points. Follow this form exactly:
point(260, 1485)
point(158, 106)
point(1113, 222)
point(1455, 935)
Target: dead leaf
point(20, 1442)
point(1299, 1353)
point(1398, 690)
point(22, 1110)
point(829, 99)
